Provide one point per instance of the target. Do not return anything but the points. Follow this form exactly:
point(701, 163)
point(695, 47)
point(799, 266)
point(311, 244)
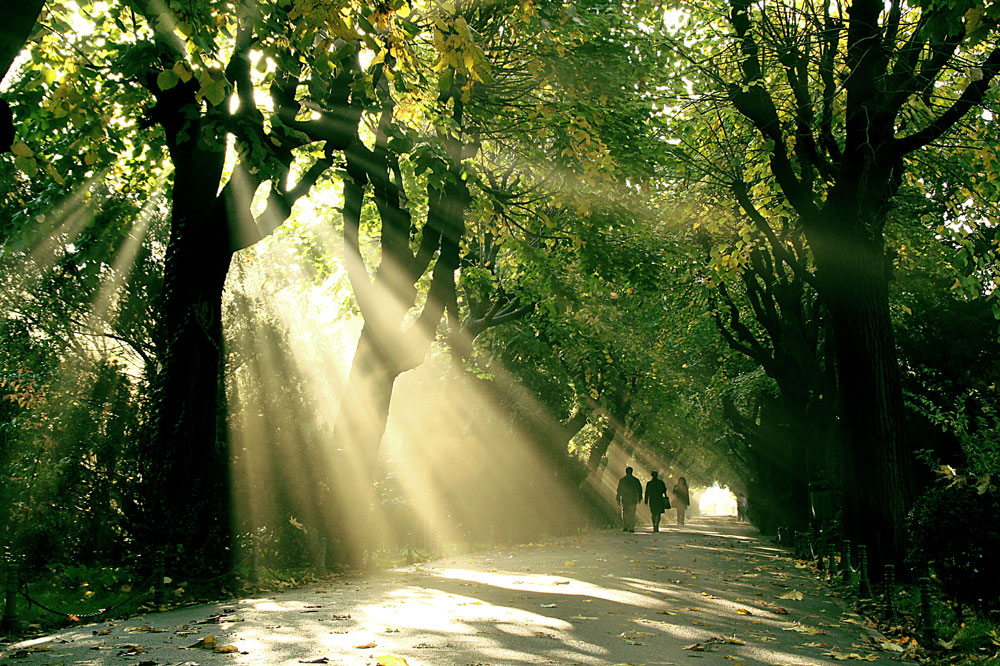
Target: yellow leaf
point(701, 624)
point(390, 660)
point(21, 149)
point(225, 649)
point(697, 647)
point(182, 72)
point(794, 595)
point(365, 646)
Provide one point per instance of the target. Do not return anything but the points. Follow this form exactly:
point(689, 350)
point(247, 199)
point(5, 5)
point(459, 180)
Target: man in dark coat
point(628, 495)
point(656, 498)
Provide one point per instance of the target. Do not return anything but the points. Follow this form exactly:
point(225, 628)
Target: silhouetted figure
point(628, 495)
point(682, 499)
point(656, 498)
point(741, 508)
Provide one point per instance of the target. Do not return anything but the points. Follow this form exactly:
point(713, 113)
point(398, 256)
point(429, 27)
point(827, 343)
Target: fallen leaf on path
point(697, 647)
point(365, 646)
point(844, 656)
point(658, 566)
point(819, 645)
point(206, 643)
point(548, 605)
point(225, 649)
point(102, 632)
point(794, 595)
point(561, 582)
point(569, 563)
point(803, 629)
point(710, 596)
point(701, 624)
point(632, 635)
point(582, 617)
point(665, 612)
point(317, 660)
point(889, 646)
point(743, 611)
point(390, 660)
point(735, 641)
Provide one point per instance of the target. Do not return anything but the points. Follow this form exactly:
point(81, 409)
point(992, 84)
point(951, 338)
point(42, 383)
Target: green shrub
point(956, 534)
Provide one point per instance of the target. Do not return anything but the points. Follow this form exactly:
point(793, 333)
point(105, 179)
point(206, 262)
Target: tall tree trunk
point(190, 439)
point(853, 271)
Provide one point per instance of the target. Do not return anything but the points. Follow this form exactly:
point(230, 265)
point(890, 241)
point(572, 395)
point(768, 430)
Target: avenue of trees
point(746, 243)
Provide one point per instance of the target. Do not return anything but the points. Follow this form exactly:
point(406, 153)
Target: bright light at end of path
point(717, 501)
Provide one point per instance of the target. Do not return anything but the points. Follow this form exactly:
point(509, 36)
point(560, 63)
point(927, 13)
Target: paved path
point(711, 593)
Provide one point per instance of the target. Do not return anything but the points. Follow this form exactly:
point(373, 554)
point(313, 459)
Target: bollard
point(8, 623)
point(889, 596)
point(254, 573)
point(845, 562)
point(159, 576)
point(321, 557)
point(864, 588)
point(926, 621)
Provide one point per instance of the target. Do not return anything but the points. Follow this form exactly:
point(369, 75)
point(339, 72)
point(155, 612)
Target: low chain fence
point(841, 562)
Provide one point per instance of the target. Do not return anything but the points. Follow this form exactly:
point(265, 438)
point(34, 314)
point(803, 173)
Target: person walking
point(629, 494)
point(656, 498)
point(681, 498)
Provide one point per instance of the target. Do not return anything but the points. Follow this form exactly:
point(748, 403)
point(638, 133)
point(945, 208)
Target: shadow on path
point(711, 591)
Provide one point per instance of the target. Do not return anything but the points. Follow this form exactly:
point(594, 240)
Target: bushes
point(956, 534)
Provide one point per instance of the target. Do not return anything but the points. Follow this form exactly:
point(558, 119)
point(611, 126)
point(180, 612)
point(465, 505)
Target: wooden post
point(321, 557)
point(926, 620)
point(845, 563)
point(864, 589)
point(9, 622)
point(254, 573)
point(889, 596)
point(159, 574)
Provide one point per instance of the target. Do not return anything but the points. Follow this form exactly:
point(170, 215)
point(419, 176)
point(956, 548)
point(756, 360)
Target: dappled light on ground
point(599, 600)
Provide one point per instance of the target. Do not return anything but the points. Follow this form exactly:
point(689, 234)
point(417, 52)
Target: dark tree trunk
point(853, 271)
point(190, 441)
point(19, 20)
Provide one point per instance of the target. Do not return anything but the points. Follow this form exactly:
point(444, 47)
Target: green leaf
point(167, 79)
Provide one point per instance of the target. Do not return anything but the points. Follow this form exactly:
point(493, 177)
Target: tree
point(840, 97)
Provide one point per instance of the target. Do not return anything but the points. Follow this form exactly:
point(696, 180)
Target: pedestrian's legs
point(680, 513)
point(628, 517)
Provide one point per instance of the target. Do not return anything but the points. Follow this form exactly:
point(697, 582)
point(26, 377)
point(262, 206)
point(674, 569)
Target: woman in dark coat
point(656, 498)
point(681, 499)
